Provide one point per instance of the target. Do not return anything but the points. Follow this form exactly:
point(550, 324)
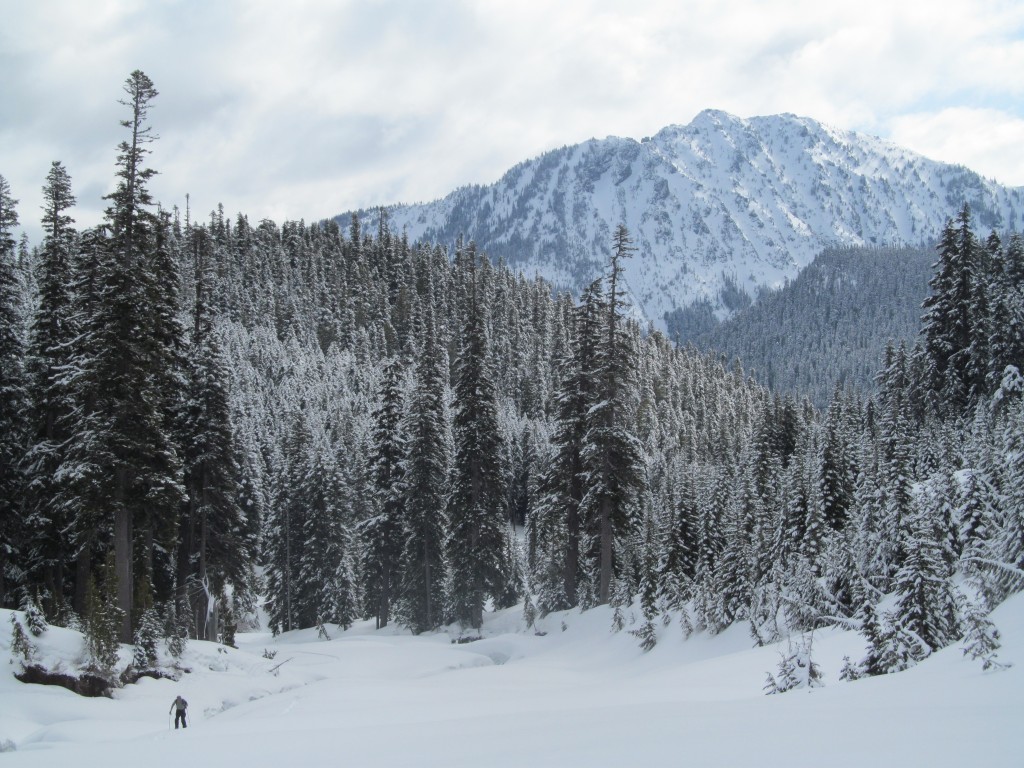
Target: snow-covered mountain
point(719, 204)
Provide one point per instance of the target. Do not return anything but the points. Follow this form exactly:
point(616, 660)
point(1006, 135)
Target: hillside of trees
point(829, 326)
point(195, 416)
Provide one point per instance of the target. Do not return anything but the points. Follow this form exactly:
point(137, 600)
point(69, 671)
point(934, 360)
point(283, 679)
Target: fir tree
point(144, 655)
point(556, 524)
point(426, 473)
point(476, 545)
point(12, 405)
point(891, 647)
point(838, 469)
point(679, 546)
point(850, 671)
point(83, 491)
point(612, 455)
point(285, 523)
point(797, 669)
point(325, 583)
point(175, 632)
point(168, 385)
point(382, 533)
point(647, 633)
point(103, 620)
point(34, 616)
point(925, 606)
point(126, 432)
point(21, 646)
point(953, 319)
point(49, 357)
point(214, 549)
point(981, 640)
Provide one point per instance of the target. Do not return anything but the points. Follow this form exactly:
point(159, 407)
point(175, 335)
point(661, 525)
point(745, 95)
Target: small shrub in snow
point(102, 620)
point(766, 602)
point(321, 630)
point(981, 640)
point(685, 623)
point(176, 645)
point(21, 646)
point(71, 620)
point(891, 647)
point(529, 612)
point(850, 671)
point(796, 670)
point(647, 635)
point(34, 617)
point(102, 646)
point(268, 654)
point(145, 654)
point(229, 628)
point(175, 632)
point(618, 620)
point(621, 600)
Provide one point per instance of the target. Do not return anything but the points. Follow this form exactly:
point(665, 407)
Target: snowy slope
point(582, 696)
point(751, 199)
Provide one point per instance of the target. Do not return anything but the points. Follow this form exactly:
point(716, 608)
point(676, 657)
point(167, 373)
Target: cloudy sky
point(307, 108)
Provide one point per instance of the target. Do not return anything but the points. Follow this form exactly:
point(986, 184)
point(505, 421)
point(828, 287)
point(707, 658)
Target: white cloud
point(306, 109)
point(988, 141)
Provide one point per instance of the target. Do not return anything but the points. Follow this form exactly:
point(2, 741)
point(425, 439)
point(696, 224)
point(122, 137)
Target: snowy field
point(578, 696)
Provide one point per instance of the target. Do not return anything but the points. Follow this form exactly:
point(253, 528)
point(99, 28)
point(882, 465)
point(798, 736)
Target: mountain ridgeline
point(717, 206)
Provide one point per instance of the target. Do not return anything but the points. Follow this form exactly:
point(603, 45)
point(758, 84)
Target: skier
point(179, 705)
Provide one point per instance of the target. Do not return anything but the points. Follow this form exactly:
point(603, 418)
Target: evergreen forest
point(203, 415)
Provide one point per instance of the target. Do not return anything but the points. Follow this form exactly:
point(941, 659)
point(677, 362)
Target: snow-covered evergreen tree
point(13, 406)
point(476, 545)
point(214, 549)
point(797, 669)
point(926, 606)
point(426, 475)
point(382, 532)
point(325, 581)
point(556, 527)
point(52, 399)
point(284, 529)
point(612, 455)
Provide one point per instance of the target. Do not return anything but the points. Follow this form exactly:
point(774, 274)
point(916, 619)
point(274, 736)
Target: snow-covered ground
point(581, 695)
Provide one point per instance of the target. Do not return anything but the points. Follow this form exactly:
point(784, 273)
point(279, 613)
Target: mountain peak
point(722, 203)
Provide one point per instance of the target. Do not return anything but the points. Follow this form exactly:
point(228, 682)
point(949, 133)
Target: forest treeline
point(195, 416)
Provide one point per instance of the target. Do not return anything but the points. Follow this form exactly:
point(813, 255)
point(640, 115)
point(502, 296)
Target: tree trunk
point(123, 567)
point(572, 553)
point(606, 552)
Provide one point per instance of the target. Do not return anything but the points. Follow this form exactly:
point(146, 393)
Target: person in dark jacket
point(179, 706)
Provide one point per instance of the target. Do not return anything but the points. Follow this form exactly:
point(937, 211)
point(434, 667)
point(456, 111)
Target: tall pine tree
point(49, 360)
point(612, 455)
point(477, 541)
point(12, 405)
point(382, 532)
point(426, 476)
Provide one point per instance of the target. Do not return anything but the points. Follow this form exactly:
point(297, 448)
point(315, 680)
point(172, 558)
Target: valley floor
point(575, 696)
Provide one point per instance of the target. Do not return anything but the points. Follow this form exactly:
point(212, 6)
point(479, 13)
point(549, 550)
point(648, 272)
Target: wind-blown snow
point(582, 696)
